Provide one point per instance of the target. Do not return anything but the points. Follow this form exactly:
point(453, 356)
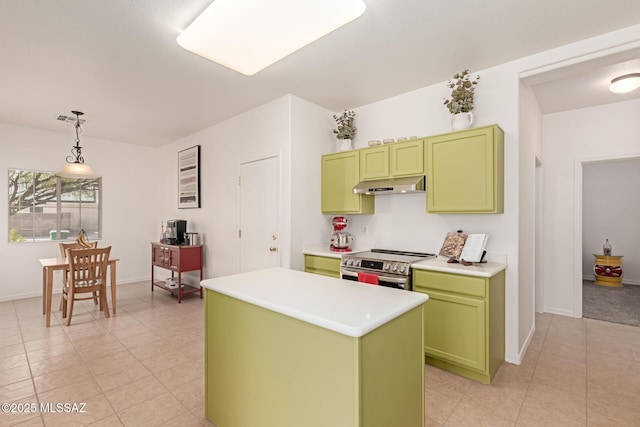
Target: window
point(45, 207)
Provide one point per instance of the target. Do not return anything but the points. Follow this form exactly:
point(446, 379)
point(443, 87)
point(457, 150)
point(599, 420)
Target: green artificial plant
point(462, 92)
point(346, 129)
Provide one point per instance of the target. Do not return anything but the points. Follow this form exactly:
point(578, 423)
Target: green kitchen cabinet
point(326, 266)
point(465, 171)
point(392, 160)
point(463, 322)
point(340, 173)
point(406, 158)
point(374, 162)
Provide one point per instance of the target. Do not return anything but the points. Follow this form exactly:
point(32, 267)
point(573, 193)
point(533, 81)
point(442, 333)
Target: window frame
point(56, 203)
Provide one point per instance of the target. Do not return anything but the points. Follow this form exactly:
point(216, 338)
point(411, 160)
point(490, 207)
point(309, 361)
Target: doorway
point(259, 201)
point(610, 212)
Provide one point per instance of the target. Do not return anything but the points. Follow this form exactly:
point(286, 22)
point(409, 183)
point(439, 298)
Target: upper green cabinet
point(340, 173)
point(465, 171)
point(393, 160)
point(406, 158)
point(374, 162)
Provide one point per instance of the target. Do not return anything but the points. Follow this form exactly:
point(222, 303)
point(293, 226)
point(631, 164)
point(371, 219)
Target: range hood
point(411, 184)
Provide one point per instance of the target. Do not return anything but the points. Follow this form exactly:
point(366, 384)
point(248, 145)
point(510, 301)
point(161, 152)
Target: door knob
point(273, 249)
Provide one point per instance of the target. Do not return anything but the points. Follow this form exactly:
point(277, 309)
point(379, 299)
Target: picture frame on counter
point(189, 178)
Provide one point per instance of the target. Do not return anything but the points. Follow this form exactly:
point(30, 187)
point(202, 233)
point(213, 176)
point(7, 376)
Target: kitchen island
point(288, 348)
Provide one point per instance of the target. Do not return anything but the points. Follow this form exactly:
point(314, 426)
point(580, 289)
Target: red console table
point(178, 259)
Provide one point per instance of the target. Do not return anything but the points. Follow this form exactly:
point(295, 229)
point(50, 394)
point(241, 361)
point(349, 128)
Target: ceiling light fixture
point(75, 167)
point(249, 35)
point(626, 83)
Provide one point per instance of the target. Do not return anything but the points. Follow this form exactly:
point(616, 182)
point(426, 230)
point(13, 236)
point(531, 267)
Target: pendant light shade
point(77, 170)
point(75, 167)
point(626, 83)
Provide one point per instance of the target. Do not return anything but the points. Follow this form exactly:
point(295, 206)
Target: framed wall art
point(189, 178)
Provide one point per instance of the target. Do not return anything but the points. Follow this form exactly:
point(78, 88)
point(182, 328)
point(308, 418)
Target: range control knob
point(387, 267)
point(350, 262)
point(395, 267)
point(402, 269)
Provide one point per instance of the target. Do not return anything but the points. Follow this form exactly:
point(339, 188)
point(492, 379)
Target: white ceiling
point(118, 61)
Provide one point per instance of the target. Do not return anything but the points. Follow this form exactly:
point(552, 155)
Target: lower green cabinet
point(463, 322)
point(326, 266)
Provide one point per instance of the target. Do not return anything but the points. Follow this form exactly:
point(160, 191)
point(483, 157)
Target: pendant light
point(626, 83)
point(75, 167)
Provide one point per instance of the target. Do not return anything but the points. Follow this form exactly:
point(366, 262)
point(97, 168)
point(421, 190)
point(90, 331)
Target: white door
point(259, 185)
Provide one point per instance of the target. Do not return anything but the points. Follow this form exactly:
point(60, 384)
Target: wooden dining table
point(49, 265)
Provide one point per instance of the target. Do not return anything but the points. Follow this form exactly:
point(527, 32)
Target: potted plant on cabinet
point(461, 102)
point(345, 130)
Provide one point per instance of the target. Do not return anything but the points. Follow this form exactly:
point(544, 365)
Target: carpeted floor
point(617, 305)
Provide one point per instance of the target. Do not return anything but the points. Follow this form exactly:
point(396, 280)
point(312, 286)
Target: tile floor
point(144, 367)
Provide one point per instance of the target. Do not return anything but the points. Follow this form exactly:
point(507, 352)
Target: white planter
point(461, 121)
point(343, 145)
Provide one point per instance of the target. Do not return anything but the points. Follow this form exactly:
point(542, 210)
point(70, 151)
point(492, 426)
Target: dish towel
point(372, 279)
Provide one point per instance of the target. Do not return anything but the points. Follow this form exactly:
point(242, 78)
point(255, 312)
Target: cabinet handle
point(273, 249)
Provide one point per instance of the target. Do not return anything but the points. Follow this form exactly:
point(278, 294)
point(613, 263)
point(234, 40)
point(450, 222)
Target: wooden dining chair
point(87, 274)
point(63, 254)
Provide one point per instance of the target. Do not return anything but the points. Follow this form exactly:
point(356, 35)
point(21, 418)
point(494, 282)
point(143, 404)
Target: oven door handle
point(380, 277)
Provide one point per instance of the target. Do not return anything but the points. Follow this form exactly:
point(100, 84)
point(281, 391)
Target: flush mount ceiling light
point(249, 35)
point(75, 167)
point(626, 83)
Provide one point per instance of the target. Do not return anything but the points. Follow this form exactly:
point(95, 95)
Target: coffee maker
point(341, 240)
point(175, 231)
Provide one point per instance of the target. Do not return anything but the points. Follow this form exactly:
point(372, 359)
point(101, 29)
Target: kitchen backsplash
point(401, 222)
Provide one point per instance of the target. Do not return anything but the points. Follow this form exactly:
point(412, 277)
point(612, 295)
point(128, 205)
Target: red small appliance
point(340, 240)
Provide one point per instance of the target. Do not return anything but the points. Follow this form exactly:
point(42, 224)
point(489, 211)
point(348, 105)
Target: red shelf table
point(178, 259)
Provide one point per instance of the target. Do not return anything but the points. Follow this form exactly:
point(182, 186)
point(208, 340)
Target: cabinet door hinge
point(239, 180)
point(239, 234)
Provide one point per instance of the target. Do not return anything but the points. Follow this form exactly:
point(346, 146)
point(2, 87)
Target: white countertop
point(323, 249)
point(488, 269)
point(343, 306)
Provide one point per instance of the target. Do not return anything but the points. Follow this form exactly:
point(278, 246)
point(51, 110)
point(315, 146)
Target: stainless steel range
point(381, 267)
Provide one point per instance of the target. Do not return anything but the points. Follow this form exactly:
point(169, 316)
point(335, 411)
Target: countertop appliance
point(175, 230)
point(340, 240)
point(382, 267)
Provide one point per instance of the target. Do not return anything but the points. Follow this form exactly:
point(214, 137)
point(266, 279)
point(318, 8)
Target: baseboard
point(590, 278)
point(514, 359)
point(57, 291)
point(517, 359)
point(23, 296)
point(560, 312)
